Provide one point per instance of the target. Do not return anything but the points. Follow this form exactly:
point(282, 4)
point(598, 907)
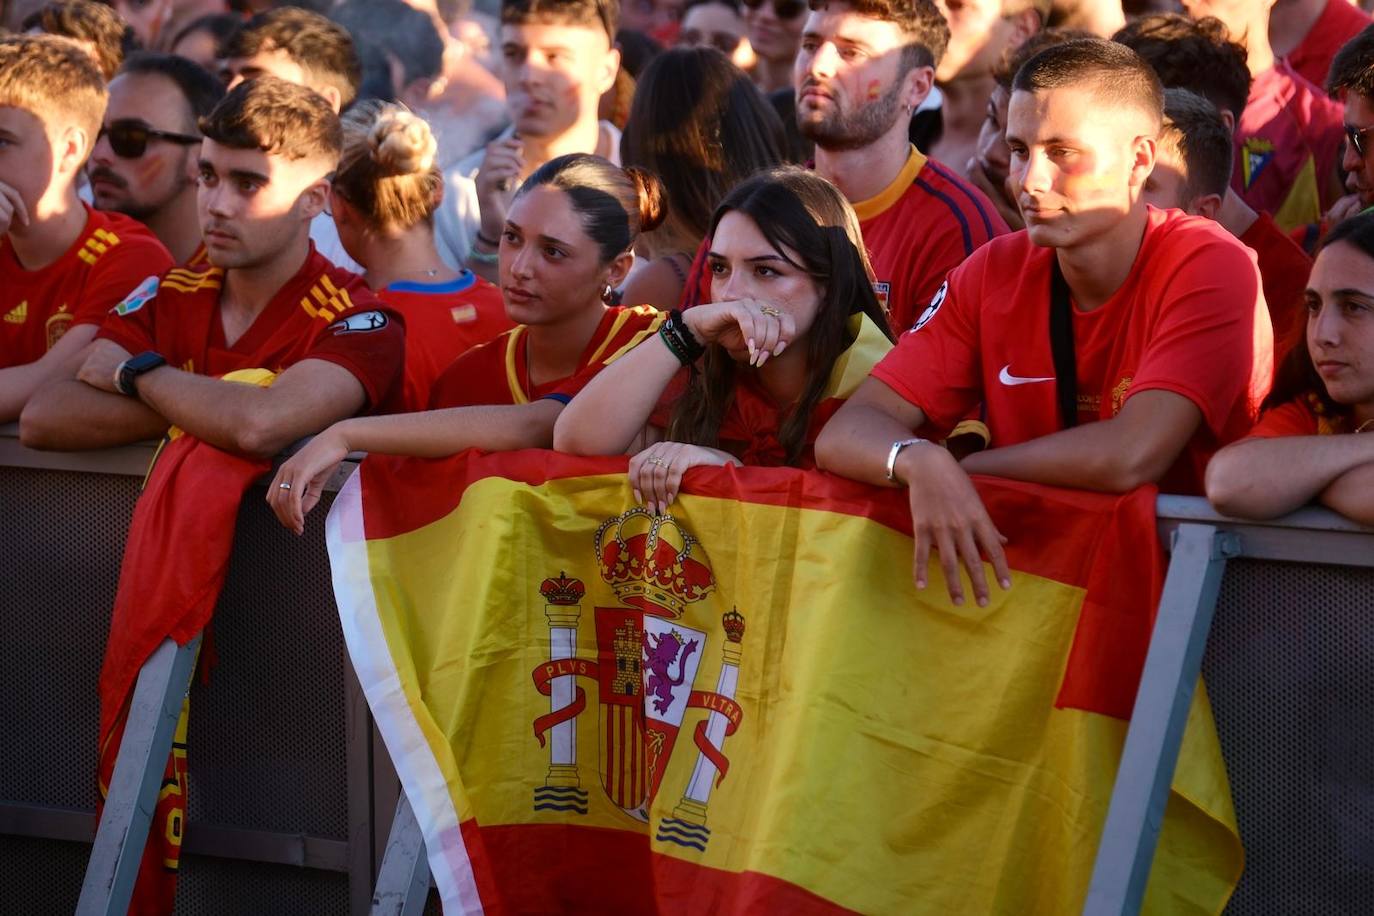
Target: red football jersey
point(109, 258)
point(497, 372)
point(1283, 268)
point(1190, 318)
point(918, 229)
point(443, 321)
point(323, 312)
point(1298, 417)
point(1288, 143)
point(1339, 22)
point(199, 259)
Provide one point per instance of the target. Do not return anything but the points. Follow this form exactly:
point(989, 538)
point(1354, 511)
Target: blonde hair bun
point(402, 143)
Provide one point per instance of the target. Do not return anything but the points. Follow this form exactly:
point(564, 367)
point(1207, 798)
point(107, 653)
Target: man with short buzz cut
point(558, 57)
point(145, 163)
point(270, 301)
point(863, 69)
point(1352, 83)
point(62, 264)
point(1110, 344)
point(1193, 173)
point(307, 49)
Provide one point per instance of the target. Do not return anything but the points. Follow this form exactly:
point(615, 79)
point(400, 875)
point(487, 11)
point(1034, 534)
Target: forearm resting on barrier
point(1352, 494)
point(1269, 477)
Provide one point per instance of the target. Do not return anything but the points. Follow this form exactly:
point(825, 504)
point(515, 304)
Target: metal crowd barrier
point(294, 803)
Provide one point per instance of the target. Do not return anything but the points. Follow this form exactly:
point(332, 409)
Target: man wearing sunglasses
point(1352, 83)
point(144, 162)
point(863, 69)
point(775, 29)
point(62, 264)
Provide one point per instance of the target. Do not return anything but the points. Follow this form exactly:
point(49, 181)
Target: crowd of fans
point(906, 241)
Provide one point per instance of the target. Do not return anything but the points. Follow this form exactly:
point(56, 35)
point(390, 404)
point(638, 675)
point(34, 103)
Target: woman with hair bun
point(750, 378)
point(385, 192)
point(565, 247)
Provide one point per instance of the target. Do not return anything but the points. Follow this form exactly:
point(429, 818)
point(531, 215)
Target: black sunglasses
point(129, 139)
point(783, 9)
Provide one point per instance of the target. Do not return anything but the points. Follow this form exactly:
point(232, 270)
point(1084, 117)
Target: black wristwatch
point(135, 366)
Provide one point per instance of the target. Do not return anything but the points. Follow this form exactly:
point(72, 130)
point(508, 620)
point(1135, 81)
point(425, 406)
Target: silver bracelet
point(896, 450)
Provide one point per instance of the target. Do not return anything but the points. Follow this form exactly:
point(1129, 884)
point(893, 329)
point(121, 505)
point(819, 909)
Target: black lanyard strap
point(1061, 346)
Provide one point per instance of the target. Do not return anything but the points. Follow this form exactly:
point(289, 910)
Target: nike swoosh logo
point(1006, 378)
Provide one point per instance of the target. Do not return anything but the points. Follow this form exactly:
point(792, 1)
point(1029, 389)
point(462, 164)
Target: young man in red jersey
point(1169, 345)
point(62, 264)
point(271, 301)
point(863, 69)
point(1351, 81)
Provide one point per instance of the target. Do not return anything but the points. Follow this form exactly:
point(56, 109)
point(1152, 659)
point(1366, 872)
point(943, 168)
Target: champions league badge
point(362, 322)
point(645, 674)
point(140, 297)
point(935, 302)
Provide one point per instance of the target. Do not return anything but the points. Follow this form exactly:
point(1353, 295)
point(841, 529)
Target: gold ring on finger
point(770, 311)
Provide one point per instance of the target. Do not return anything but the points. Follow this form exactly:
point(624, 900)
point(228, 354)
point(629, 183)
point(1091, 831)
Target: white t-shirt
point(325, 235)
point(458, 218)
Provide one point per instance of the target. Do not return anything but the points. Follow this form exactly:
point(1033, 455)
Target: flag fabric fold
point(745, 706)
point(175, 561)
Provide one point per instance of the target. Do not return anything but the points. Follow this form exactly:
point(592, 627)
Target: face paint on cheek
point(875, 89)
point(149, 168)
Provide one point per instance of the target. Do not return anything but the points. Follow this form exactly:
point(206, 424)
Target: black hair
point(198, 86)
point(615, 204)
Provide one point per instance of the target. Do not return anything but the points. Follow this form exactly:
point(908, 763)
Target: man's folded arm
point(69, 415)
point(251, 420)
point(857, 439)
point(1135, 447)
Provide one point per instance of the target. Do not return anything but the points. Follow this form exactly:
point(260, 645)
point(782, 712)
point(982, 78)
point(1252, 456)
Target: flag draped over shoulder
point(175, 561)
point(746, 706)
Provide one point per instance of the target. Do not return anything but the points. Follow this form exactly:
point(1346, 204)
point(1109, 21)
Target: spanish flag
point(745, 705)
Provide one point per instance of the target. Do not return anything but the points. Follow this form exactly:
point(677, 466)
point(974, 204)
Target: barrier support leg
point(123, 832)
point(403, 882)
point(1172, 666)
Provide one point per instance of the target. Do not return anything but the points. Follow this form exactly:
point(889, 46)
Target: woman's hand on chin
point(656, 473)
point(760, 328)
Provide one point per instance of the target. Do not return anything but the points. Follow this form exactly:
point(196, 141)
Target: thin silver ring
point(283, 486)
point(658, 461)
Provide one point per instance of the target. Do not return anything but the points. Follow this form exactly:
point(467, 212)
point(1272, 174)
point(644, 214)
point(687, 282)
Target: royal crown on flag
point(652, 563)
point(562, 591)
point(733, 621)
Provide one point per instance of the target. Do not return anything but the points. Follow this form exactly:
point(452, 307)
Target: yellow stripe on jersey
point(619, 323)
point(513, 341)
point(332, 300)
point(99, 242)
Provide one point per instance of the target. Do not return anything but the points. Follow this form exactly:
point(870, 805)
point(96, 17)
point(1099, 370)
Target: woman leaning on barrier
point(1307, 445)
point(751, 377)
point(565, 246)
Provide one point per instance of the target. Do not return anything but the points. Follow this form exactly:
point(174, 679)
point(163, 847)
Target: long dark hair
point(700, 124)
point(798, 211)
point(1296, 376)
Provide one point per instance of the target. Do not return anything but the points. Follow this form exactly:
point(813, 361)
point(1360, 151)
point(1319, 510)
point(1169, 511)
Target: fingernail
point(920, 583)
point(958, 600)
point(1006, 584)
point(982, 602)
point(778, 350)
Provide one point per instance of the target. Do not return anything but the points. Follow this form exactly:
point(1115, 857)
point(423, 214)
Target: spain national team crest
point(645, 673)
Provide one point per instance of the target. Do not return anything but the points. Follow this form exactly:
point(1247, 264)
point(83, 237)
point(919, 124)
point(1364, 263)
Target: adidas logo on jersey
point(19, 314)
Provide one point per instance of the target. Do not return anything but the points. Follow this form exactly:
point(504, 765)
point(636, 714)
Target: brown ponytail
point(653, 198)
point(615, 204)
